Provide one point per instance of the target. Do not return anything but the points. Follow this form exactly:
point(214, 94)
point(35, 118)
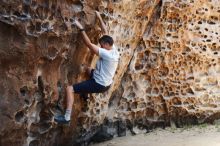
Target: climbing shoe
point(61, 119)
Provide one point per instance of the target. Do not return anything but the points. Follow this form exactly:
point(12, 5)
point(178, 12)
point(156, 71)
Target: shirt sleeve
point(104, 53)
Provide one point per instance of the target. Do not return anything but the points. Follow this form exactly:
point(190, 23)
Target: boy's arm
point(103, 26)
point(94, 48)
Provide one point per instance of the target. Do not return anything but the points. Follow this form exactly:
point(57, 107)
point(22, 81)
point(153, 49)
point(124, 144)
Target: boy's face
point(105, 45)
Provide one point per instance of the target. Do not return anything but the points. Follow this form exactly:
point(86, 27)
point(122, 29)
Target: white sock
point(67, 114)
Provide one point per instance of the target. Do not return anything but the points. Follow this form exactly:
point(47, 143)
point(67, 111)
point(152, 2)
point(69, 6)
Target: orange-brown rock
point(173, 76)
point(168, 72)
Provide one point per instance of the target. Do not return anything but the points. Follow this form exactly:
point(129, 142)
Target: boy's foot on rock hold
point(61, 119)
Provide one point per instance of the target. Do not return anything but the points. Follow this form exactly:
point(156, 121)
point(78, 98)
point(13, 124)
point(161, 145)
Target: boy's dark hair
point(106, 39)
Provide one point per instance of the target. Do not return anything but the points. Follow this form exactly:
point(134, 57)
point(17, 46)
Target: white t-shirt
point(106, 66)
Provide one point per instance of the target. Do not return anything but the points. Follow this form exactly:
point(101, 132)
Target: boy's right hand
point(97, 14)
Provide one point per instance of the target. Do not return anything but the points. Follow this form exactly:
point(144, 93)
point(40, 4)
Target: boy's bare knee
point(69, 88)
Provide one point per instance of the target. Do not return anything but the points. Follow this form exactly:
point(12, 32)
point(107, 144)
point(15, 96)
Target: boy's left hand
point(78, 24)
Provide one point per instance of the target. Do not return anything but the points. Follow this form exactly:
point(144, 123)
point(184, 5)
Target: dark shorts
point(89, 86)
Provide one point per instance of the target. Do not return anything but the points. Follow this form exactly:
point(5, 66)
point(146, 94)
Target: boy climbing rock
point(101, 77)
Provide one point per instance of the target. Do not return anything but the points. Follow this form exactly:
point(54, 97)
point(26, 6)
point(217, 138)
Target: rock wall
point(173, 77)
point(40, 50)
point(168, 70)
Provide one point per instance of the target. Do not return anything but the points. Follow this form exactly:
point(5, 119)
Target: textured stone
point(39, 51)
point(168, 71)
point(173, 76)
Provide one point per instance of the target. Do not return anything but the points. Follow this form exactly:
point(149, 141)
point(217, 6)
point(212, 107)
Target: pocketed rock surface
point(168, 72)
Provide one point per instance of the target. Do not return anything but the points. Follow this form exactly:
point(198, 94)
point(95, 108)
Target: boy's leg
point(80, 88)
point(65, 119)
point(70, 90)
point(70, 97)
point(70, 100)
point(85, 87)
